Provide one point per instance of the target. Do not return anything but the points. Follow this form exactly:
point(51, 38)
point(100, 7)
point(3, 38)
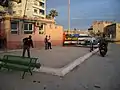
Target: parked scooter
point(103, 50)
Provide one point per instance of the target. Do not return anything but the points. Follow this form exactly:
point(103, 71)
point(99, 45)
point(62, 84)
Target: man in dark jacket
point(49, 43)
point(27, 43)
point(46, 42)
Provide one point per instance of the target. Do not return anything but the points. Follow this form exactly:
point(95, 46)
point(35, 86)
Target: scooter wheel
point(103, 55)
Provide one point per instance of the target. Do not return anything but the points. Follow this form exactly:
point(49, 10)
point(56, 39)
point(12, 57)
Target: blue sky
point(84, 12)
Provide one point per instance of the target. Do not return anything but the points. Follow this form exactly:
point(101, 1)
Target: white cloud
point(104, 17)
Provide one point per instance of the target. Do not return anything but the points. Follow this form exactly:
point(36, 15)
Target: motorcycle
point(93, 46)
point(103, 50)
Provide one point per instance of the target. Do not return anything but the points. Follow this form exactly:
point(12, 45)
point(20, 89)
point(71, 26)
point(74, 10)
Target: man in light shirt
point(49, 43)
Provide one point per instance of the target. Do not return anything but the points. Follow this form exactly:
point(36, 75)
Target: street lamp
point(25, 8)
point(69, 16)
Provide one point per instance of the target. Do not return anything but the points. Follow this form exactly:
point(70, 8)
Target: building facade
point(14, 29)
point(113, 31)
point(98, 26)
point(29, 8)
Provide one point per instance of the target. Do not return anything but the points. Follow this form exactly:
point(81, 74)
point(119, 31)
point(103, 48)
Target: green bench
point(19, 63)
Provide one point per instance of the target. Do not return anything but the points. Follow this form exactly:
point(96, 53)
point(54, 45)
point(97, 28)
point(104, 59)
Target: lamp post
point(25, 8)
point(69, 16)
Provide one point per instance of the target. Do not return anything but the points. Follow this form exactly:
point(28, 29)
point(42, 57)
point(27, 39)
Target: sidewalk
point(57, 57)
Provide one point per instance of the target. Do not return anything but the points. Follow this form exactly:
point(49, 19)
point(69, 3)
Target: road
point(96, 73)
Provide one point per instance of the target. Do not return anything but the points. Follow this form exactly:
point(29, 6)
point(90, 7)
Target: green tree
point(53, 13)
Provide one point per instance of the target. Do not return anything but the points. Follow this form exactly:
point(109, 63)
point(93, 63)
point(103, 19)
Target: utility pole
point(69, 16)
point(25, 8)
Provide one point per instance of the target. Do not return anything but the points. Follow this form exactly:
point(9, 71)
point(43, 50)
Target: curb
point(16, 50)
point(48, 70)
point(66, 69)
point(77, 62)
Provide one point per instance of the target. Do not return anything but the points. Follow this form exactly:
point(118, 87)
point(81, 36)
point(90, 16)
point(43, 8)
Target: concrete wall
point(15, 40)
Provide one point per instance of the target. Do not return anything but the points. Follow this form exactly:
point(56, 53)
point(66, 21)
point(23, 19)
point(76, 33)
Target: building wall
point(1, 28)
point(110, 30)
point(56, 33)
point(15, 40)
point(117, 31)
point(100, 25)
point(114, 30)
point(30, 6)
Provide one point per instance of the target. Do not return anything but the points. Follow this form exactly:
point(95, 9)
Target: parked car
point(83, 39)
point(87, 42)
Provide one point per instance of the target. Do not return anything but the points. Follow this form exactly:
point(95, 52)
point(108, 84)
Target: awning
point(28, 21)
point(15, 20)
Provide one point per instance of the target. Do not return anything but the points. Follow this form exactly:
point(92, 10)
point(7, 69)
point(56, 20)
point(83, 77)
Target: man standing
point(49, 43)
point(27, 43)
point(46, 42)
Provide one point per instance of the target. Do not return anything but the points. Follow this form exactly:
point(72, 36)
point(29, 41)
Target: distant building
point(98, 26)
point(14, 29)
point(29, 8)
point(113, 31)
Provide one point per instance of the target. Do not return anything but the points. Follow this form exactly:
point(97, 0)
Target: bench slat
point(16, 67)
point(16, 58)
point(19, 63)
point(19, 60)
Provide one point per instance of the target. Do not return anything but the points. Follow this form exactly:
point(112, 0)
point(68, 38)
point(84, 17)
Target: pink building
point(14, 29)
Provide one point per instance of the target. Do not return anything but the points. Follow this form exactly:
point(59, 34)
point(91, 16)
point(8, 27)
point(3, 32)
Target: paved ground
point(97, 73)
point(57, 57)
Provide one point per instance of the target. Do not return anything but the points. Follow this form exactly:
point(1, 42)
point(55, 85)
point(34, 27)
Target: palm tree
point(53, 13)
